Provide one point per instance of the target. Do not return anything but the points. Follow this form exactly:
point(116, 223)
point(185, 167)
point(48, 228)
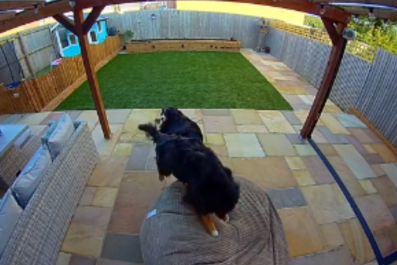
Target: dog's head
point(169, 114)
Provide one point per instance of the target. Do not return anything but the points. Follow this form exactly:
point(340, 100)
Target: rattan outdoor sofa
point(39, 232)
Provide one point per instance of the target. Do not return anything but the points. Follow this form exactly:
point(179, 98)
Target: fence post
point(35, 96)
point(24, 55)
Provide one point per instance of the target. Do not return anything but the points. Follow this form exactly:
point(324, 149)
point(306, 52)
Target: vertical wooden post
point(335, 59)
point(90, 71)
point(25, 56)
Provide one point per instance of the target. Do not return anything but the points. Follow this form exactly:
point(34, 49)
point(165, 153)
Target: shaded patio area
point(263, 146)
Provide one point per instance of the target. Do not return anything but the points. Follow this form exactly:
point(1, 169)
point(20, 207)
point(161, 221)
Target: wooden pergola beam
point(390, 3)
point(335, 59)
point(332, 32)
point(340, 13)
point(66, 22)
point(92, 17)
point(7, 5)
point(50, 9)
point(7, 15)
point(90, 72)
point(331, 12)
point(29, 16)
point(389, 14)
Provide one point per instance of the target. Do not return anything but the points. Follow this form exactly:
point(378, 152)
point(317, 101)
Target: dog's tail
point(150, 130)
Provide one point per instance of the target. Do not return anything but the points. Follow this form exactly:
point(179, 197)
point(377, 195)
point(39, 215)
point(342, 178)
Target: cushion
point(173, 234)
point(22, 139)
point(31, 176)
point(9, 216)
point(58, 134)
point(44, 139)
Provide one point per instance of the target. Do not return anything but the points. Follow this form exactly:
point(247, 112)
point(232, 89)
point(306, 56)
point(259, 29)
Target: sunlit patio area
point(261, 145)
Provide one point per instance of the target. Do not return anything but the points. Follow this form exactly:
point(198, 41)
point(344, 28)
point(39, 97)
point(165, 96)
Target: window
point(73, 39)
point(64, 43)
point(99, 25)
point(93, 36)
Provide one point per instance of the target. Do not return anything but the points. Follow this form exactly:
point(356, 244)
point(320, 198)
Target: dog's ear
point(172, 112)
point(166, 158)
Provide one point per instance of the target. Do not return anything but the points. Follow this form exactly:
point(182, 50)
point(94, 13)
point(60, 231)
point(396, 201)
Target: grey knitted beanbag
point(173, 234)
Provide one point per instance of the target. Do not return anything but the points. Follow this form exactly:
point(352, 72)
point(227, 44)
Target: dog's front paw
point(227, 218)
point(215, 233)
point(164, 184)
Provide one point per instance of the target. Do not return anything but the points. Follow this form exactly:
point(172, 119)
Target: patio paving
point(260, 145)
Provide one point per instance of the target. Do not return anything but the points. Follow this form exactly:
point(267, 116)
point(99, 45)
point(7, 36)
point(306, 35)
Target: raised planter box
point(183, 45)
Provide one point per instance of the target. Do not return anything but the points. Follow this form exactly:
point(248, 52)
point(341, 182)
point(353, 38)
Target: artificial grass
point(180, 79)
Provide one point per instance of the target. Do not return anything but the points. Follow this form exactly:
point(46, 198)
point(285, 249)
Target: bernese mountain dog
point(210, 187)
point(173, 121)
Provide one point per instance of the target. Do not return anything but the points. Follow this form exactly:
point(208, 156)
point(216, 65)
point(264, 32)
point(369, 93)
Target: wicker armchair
point(42, 226)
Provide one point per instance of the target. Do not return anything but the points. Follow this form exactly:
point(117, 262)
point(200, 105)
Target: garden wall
point(174, 24)
point(50, 89)
point(366, 86)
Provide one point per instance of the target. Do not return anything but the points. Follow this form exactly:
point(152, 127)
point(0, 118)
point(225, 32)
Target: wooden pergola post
point(81, 27)
point(335, 59)
point(90, 70)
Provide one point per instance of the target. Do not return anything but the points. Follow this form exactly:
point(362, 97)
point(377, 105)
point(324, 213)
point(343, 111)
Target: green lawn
point(180, 79)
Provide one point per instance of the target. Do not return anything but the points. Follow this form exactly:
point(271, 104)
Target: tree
point(313, 21)
point(375, 32)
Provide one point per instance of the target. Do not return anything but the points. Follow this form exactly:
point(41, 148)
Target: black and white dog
point(173, 121)
point(210, 187)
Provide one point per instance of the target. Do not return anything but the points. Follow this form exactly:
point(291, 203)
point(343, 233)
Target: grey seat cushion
point(9, 216)
point(58, 134)
point(175, 235)
point(31, 176)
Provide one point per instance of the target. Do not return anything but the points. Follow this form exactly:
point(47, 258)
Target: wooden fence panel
point(377, 100)
point(15, 101)
point(34, 48)
point(34, 94)
point(39, 48)
point(174, 24)
point(309, 59)
point(356, 48)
